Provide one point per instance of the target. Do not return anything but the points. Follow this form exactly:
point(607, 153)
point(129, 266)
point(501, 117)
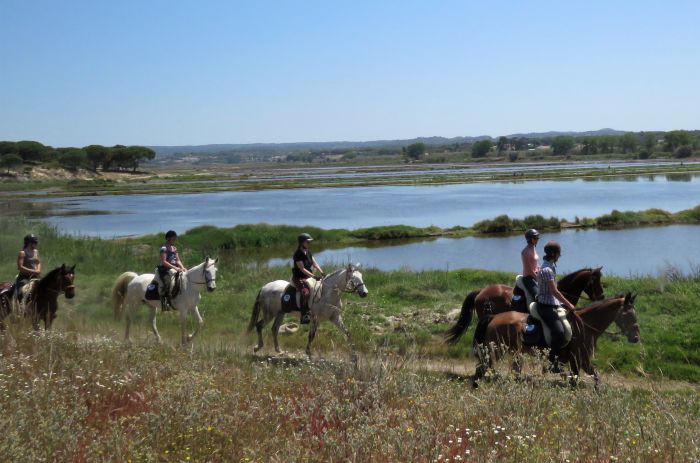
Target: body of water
point(356, 207)
point(639, 251)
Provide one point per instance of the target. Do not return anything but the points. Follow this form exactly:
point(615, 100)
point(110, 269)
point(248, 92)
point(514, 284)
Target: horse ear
point(206, 258)
point(216, 260)
point(63, 267)
point(349, 269)
point(72, 269)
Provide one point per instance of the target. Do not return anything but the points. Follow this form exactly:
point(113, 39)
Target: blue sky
point(174, 72)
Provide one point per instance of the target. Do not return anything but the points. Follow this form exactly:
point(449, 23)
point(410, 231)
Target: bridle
point(207, 280)
point(583, 294)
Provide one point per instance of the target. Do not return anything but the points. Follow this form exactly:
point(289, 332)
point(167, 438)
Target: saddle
point(291, 298)
point(155, 283)
point(152, 291)
point(537, 333)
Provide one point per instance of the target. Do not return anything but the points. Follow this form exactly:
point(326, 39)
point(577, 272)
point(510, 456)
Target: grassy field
point(80, 395)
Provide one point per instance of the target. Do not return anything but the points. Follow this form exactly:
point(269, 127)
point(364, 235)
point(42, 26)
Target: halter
point(207, 280)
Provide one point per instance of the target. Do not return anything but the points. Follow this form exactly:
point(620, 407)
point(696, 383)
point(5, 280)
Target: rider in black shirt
point(304, 264)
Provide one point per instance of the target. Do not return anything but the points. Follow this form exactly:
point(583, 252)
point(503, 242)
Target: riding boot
point(555, 365)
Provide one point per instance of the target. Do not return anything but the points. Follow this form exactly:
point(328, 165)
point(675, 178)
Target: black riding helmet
point(30, 238)
point(304, 237)
point(170, 234)
point(531, 234)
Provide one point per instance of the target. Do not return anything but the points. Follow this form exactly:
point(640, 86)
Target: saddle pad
point(533, 334)
point(5, 287)
point(152, 291)
point(561, 312)
point(289, 300)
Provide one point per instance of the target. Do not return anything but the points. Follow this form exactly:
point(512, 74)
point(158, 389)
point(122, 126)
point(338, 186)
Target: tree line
point(14, 155)
point(680, 143)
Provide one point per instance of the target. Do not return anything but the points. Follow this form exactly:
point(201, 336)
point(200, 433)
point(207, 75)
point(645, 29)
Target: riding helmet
point(531, 233)
point(304, 237)
point(170, 234)
point(31, 238)
point(552, 248)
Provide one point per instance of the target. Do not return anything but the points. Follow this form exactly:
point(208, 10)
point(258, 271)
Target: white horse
point(130, 291)
point(324, 304)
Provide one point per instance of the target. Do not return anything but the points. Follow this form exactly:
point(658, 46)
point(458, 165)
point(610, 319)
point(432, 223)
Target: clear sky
point(175, 72)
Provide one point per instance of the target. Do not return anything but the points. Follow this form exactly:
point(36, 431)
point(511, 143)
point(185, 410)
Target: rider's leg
point(558, 336)
point(164, 288)
point(531, 287)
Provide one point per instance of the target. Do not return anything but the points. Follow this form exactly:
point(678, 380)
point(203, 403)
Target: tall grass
point(91, 399)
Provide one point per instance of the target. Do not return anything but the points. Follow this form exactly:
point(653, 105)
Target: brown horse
point(496, 299)
point(505, 332)
point(40, 298)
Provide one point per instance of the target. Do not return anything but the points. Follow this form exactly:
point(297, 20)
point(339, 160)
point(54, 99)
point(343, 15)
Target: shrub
point(685, 151)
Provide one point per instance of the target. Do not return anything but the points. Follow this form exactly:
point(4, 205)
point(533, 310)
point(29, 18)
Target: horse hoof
point(256, 349)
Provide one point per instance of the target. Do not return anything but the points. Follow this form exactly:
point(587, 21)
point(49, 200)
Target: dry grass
point(68, 398)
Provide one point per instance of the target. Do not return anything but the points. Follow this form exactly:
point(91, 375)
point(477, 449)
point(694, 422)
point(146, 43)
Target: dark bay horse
point(504, 331)
point(40, 297)
point(497, 298)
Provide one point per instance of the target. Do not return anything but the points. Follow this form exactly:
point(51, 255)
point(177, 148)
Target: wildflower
point(410, 429)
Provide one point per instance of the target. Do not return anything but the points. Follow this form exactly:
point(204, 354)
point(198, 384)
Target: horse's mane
point(43, 281)
point(596, 305)
point(567, 279)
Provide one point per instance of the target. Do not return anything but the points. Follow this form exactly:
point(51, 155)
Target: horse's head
point(66, 277)
point(594, 287)
point(627, 319)
point(209, 270)
point(355, 284)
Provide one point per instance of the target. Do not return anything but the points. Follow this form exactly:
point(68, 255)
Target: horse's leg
point(312, 334)
point(128, 323)
point(152, 319)
point(259, 325)
point(186, 338)
point(338, 321)
point(276, 329)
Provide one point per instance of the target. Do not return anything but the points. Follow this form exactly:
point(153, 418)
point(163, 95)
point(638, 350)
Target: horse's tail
point(119, 293)
point(256, 313)
point(465, 318)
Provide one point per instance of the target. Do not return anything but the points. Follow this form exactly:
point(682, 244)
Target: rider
point(28, 263)
point(170, 265)
point(549, 299)
point(304, 263)
point(530, 262)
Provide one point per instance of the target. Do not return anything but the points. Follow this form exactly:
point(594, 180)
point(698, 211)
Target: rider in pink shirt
point(530, 262)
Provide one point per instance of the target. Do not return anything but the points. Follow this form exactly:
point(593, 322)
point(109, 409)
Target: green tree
point(649, 141)
point(415, 151)
point(31, 150)
point(562, 144)
point(606, 144)
point(96, 155)
point(481, 148)
point(677, 138)
point(72, 158)
point(628, 142)
point(7, 147)
point(590, 145)
point(10, 161)
point(501, 145)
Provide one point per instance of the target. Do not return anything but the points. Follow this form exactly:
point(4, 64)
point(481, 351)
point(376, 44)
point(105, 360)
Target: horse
point(326, 305)
point(505, 332)
point(497, 298)
point(130, 291)
point(40, 297)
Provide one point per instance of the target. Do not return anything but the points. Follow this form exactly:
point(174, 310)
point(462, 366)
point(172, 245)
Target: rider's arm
point(300, 266)
point(38, 263)
point(179, 262)
point(556, 293)
point(316, 264)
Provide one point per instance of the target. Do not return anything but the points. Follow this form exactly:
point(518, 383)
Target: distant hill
point(288, 148)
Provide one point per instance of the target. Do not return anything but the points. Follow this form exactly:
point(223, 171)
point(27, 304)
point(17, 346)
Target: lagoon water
point(632, 252)
point(356, 207)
